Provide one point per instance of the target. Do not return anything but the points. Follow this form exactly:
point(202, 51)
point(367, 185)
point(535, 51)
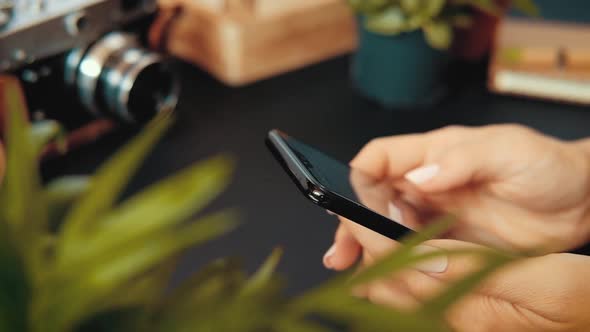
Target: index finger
point(391, 157)
point(394, 156)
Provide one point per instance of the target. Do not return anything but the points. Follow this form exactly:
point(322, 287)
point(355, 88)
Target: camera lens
point(136, 85)
point(155, 77)
point(118, 77)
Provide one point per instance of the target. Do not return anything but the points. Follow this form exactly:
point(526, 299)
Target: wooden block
point(541, 59)
point(578, 59)
point(239, 45)
point(530, 57)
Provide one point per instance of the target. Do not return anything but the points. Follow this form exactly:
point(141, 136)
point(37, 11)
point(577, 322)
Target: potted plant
point(403, 51)
point(73, 257)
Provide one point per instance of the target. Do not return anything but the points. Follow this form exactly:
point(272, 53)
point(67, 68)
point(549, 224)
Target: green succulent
point(436, 18)
point(75, 257)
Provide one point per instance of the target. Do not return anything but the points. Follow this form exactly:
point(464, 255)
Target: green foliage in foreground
point(73, 257)
point(436, 18)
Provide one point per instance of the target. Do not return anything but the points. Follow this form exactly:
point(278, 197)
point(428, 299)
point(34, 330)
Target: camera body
point(84, 60)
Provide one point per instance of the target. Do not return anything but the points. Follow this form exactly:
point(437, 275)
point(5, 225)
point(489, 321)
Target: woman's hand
point(547, 293)
point(508, 185)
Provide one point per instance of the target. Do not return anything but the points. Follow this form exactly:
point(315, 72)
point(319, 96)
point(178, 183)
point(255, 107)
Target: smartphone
point(336, 187)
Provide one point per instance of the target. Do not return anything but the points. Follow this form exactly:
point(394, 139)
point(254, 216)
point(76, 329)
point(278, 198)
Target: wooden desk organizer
point(242, 41)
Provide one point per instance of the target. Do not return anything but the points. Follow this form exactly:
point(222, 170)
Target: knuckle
point(458, 155)
point(517, 137)
point(451, 129)
point(375, 144)
point(513, 130)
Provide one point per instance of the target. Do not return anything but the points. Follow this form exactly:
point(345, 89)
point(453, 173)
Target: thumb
point(344, 252)
point(448, 267)
point(457, 167)
point(513, 283)
point(429, 277)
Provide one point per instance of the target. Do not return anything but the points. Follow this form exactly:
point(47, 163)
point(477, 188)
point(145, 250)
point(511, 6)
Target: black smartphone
point(335, 186)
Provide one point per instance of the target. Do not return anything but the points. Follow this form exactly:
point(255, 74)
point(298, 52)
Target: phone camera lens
point(317, 195)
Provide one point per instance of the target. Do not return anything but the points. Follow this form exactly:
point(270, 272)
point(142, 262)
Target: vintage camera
point(80, 60)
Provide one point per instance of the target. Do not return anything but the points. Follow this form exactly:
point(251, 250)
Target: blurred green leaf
point(248, 305)
point(265, 273)
point(432, 8)
point(106, 186)
point(402, 257)
point(111, 321)
point(143, 253)
point(160, 206)
point(64, 190)
point(209, 290)
point(412, 6)
point(390, 21)
point(43, 132)
point(24, 209)
point(145, 289)
point(439, 34)
point(526, 6)
point(18, 186)
point(61, 193)
point(86, 285)
point(14, 291)
point(373, 317)
point(109, 266)
point(435, 17)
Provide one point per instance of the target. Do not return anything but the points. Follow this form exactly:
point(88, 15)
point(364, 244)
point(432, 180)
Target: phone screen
point(356, 186)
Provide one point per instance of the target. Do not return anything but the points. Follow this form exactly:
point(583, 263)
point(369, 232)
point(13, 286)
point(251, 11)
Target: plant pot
point(400, 71)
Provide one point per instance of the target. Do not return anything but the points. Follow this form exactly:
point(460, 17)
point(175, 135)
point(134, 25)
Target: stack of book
point(548, 60)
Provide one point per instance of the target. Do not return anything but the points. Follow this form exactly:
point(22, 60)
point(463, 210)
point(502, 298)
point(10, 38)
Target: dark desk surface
point(318, 105)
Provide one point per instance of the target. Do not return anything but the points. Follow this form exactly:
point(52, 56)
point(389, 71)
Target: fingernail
point(436, 264)
point(330, 213)
point(422, 174)
point(395, 213)
point(328, 257)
